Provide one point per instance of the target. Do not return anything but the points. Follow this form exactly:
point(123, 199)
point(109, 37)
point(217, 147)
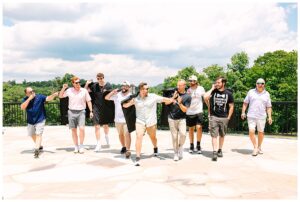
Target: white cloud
point(143, 36)
point(116, 68)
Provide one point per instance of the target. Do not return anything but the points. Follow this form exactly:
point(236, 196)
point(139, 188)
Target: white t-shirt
point(118, 98)
point(146, 109)
point(196, 106)
point(77, 98)
point(258, 103)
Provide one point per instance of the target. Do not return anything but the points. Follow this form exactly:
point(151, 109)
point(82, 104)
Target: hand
point(213, 86)
point(179, 100)
point(243, 116)
point(175, 95)
point(270, 121)
point(65, 86)
point(88, 82)
point(91, 115)
point(115, 91)
point(56, 94)
point(32, 96)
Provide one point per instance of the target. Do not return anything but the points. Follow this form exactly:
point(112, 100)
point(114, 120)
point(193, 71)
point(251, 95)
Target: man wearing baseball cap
point(194, 118)
point(259, 102)
point(120, 123)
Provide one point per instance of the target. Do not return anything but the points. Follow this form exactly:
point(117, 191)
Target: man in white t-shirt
point(194, 118)
point(259, 102)
point(146, 119)
point(120, 122)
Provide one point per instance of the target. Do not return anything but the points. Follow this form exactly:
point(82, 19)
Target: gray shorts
point(36, 129)
point(76, 118)
point(218, 126)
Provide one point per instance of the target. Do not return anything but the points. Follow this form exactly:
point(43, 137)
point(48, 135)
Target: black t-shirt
point(174, 109)
point(219, 103)
point(97, 91)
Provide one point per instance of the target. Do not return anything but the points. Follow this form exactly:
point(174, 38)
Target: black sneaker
point(137, 161)
point(191, 150)
point(41, 148)
point(123, 150)
point(199, 151)
point(220, 153)
point(155, 151)
point(36, 153)
point(215, 156)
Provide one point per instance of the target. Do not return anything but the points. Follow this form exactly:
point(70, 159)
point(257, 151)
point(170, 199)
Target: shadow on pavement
point(242, 151)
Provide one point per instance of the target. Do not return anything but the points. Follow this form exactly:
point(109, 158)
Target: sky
point(138, 40)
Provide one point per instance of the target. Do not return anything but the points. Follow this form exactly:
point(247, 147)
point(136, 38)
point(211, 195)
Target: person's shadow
point(31, 151)
point(242, 151)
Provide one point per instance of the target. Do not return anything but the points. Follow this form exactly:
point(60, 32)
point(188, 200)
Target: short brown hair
point(223, 79)
point(74, 78)
point(142, 84)
point(100, 75)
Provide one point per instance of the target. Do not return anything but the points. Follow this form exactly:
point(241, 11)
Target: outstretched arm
point(51, 97)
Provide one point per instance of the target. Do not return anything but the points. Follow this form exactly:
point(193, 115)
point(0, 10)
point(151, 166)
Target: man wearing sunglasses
point(78, 97)
point(194, 118)
point(98, 88)
point(146, 119)
point(34, 104)
point(259, 102)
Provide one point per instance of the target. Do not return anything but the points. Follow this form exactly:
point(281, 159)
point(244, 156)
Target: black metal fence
point(284, 117)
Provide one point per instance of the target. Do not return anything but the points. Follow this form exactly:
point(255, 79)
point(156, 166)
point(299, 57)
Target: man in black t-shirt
point(98, 90)
point(177, 118)
point(220, 106)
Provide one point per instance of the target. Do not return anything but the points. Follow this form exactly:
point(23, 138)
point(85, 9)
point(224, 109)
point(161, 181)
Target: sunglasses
point(261, 83)
point(192, 81)
point(76, 82)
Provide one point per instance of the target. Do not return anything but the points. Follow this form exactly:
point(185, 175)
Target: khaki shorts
point(218, 126)
point(36, 129)
point(141, 129)
point(259, 123)
point(121, 128)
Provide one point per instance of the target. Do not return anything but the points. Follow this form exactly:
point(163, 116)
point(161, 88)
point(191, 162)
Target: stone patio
point(61, 174)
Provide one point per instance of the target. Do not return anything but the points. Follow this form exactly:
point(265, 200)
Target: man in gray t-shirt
point(259, 102)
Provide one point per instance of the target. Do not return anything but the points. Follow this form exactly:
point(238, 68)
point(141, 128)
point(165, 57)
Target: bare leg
point(82, 134)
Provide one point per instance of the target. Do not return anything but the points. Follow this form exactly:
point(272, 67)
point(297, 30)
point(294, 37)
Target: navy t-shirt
point(174, 109)
point(36, 112)
point(219, 103)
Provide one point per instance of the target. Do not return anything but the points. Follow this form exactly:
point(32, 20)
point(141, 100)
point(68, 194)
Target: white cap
point(193, 78)
point(260, 80)
point(125, 83)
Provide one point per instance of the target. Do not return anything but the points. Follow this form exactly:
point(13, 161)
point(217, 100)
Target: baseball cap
point(260, 80)
point(125, 83)
point(193, 78)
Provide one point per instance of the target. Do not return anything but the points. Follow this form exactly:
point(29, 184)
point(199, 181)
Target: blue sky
point(138, 41)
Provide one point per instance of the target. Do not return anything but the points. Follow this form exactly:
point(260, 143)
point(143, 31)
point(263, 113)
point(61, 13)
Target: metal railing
point(284, 117)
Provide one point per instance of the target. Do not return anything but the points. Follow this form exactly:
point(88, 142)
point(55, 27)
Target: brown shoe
point(127, 154)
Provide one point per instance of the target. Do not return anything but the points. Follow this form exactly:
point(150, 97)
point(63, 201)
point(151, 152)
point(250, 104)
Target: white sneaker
point(176, 157)
point(76, 149)
point(107, 139)
point(255, 151)
point(260, 151)
point(97, 148)
point(180, 152)
point(81, 149)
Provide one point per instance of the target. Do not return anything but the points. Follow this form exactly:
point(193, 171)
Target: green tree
point(279, 69)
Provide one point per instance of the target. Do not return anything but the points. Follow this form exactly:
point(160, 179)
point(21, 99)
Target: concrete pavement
point(61, 174)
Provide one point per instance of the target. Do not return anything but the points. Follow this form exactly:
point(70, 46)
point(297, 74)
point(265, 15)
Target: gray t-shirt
point(258, 103)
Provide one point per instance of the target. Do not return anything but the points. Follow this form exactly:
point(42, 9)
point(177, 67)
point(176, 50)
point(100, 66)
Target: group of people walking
point(185, 110)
